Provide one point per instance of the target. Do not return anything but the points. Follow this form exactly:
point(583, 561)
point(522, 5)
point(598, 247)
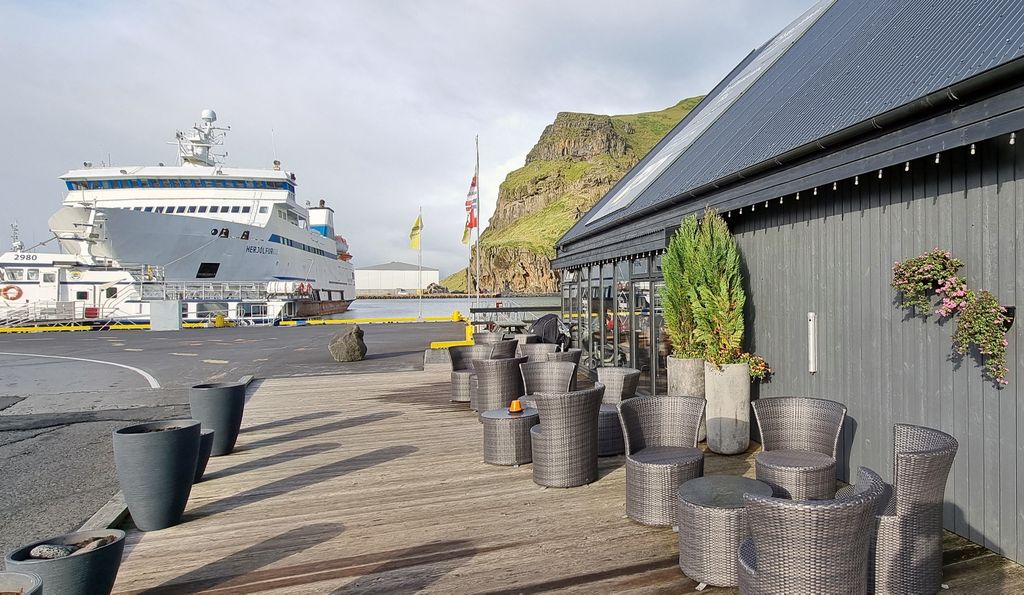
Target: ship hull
point(311, 309)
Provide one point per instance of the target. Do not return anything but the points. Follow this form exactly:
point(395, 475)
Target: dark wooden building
point(863, 134)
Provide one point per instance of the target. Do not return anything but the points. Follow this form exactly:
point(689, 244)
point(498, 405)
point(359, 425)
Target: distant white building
point(393, 278)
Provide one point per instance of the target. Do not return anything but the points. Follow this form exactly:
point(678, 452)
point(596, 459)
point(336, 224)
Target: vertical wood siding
point(833, 253)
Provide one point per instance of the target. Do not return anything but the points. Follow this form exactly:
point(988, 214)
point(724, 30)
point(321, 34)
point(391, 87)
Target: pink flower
point(1006, 342)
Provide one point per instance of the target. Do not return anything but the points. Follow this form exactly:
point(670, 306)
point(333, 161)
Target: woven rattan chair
point(488, 337)
point(462, 368)
point(565, 442)
point(504, 349)
point(907, 557)
point(810, 546)
point(572, 355)
point(535, 351)
point(546, 377)
point(799, 436)
point(499, 382)
point(661, 453)
point(618, 383)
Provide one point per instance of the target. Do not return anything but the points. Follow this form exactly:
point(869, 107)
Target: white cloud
point(374, 104)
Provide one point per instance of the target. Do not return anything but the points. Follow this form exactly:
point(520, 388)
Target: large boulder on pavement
point(348, 345)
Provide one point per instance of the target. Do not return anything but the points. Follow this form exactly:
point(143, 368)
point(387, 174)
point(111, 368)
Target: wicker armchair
point(535, 351)
point(907, 557)
point(799, 436)
point(462, 368)
point(499, 382)
point(504, 349)
point(661, 453)
point(809, 546)
point(488, 337)
point(565, 443)
point(618, 383)
point(572, 355)
point(546, 377)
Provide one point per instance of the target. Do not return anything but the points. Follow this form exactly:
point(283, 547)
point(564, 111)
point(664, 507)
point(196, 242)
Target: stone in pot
point(219, 407)
point(156, 463)
point(89, 570)
point(21, 583)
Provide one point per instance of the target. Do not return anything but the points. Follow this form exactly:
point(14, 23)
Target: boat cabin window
point(159, 209)
point(246, 209)
point(81, 295)
point(49, 277)
point(202, 209)
point(33, 275)
point(15, 274)
point(234, 209)
point(191, 209)
point(180, 210)
point(207, 270)
point(111, 292)
point(148, 209)
point(263, 210)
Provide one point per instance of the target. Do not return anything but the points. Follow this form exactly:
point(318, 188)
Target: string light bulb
point(780, 200)
point(906, 167)
point(936, 158)
point(1013, 138)
point(766, 204)
point(879, 174)
point(815, 191)
point(972, 148)
point(798, 196)
point(856, 180)
point(834, 185)
point(741, 210)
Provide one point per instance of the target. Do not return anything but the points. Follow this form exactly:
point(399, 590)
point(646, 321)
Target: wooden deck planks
point(374, 483)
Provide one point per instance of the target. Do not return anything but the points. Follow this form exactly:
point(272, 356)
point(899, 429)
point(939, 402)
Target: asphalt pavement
point(57, 410)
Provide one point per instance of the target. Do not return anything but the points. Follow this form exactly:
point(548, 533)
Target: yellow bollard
point(219, 321)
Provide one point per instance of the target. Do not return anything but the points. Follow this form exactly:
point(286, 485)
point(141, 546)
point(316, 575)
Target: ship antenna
point(195, 146)
point(273, 144)
point(16, 244)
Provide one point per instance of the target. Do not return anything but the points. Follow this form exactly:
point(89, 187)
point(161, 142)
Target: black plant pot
point(21, 582)
point(205, 447)
point(89, 573)
point(219, 407)
point(156, 463)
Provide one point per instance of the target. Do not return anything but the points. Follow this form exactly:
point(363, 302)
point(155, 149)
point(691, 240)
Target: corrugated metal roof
point(393, 266)
point(860, 59)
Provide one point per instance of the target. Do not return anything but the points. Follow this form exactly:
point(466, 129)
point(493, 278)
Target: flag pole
point(419, 269)
point(478, 220)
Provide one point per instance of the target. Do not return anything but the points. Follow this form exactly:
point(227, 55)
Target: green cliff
point(577, 160)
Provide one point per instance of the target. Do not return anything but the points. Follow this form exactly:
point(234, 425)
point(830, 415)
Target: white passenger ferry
point(220, 240)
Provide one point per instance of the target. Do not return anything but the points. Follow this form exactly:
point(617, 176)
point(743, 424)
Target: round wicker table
point(507, 436)
point(797, 474)
point(712, 523)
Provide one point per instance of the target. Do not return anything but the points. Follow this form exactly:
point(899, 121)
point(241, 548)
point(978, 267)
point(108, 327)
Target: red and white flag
point(472, 202)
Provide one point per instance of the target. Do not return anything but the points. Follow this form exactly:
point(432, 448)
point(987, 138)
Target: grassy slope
point(538, 231)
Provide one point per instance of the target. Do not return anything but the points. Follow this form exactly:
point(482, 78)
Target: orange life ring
point(11, 292)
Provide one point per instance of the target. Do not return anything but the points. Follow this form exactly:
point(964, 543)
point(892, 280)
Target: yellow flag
point(465, 235)
point(414, 235)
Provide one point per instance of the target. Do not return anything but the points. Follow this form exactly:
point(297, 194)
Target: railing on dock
point(510, 315)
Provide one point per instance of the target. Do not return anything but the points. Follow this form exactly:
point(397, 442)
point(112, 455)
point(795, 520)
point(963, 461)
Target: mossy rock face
point(577, 159)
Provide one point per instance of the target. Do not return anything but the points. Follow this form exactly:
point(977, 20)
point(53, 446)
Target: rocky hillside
point(576, 161)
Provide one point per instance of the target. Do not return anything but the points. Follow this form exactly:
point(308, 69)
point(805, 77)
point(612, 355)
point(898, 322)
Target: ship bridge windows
point(263, 210)
point(235, 209)
point(33, 275)
point(202, 208)
point(15, 274)
point(121, 183)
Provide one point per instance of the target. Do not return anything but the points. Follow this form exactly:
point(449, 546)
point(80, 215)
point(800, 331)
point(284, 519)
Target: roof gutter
point(976, 87)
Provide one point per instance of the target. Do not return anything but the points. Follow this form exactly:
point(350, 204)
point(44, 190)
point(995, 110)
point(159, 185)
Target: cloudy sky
point(373, 103)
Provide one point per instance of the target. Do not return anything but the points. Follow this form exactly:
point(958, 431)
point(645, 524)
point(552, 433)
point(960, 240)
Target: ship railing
point(41, 311)
point(229, 291)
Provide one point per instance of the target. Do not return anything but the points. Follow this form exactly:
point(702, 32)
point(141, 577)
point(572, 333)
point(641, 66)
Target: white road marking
point(186, 354)
point(215, 361)
point(153, 383)
point(131, 349)
point(262, 359)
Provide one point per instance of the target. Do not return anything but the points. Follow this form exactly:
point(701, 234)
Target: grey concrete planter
point(219, 407)
point(686, 379)
point(155, 470)
point(205, 447)
point(88, 573)
point(20, 582)
point(727, 391)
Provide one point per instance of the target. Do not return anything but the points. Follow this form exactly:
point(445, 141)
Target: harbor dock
point(373, 483)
